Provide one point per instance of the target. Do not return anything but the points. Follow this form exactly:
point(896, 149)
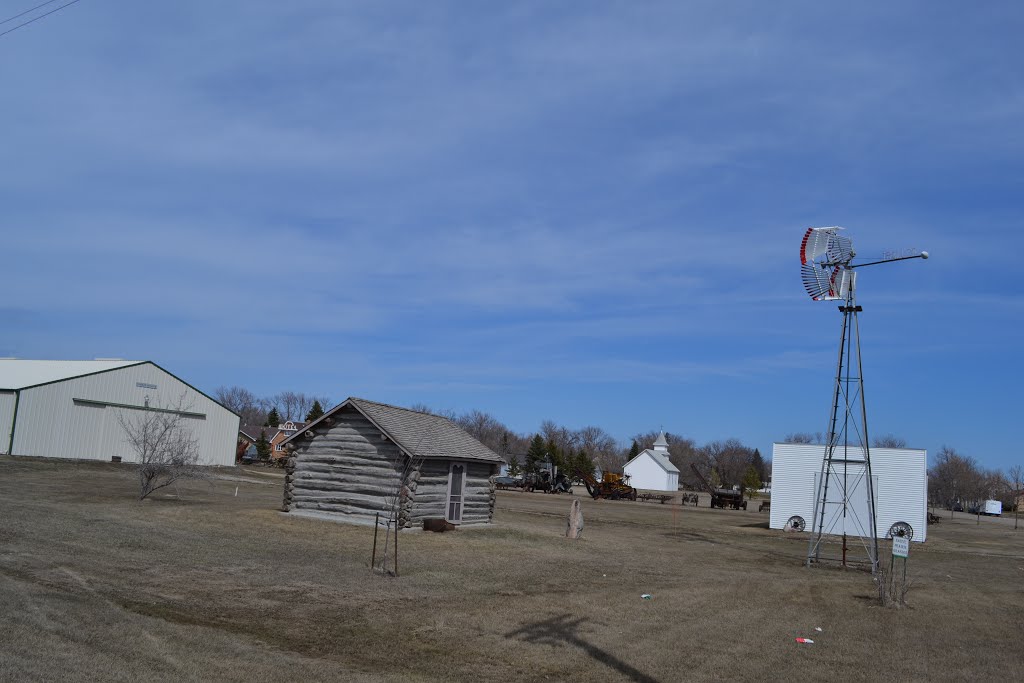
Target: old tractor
point(543, 481)
point(721, 498)
point(612, 486)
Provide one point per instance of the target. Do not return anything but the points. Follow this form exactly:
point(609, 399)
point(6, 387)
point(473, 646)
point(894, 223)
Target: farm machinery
point(721, 498)
point(543, 481)
point(611, 486)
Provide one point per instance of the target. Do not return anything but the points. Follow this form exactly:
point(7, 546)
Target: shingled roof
point(421, 435)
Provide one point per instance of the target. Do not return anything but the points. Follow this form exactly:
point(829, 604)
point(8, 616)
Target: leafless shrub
point(165, 447)
point(893, 585)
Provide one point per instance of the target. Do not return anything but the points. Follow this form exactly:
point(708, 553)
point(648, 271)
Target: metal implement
point(612, 486)
point(721, 498)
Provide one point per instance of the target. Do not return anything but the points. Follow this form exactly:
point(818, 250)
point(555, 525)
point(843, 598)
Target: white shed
point(651, 469)
point(70, 409)
point(899, 477)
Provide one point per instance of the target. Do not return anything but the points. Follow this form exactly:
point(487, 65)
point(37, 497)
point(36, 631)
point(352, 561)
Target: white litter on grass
point(805, 641)
point(646, 596)
point(818, 629)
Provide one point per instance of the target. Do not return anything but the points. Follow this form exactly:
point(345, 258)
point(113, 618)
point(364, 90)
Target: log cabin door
point(456, 489)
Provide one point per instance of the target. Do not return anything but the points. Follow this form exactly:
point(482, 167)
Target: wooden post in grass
point(373, 557)
point(396, 549)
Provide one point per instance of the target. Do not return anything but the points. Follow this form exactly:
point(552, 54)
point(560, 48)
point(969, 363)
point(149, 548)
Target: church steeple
point(661, 444)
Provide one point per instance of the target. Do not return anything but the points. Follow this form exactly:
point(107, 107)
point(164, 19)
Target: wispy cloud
point(481, 201)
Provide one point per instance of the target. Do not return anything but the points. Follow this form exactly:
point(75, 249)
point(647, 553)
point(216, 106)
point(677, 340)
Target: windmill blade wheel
point(796, 523)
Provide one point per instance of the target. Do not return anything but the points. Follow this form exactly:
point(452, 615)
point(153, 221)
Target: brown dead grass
point(97, 586)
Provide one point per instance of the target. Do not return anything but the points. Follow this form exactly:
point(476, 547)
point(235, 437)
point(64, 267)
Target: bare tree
point(729, 459)
point(1016, 478)
point(250, 408)
point(443, 412)
point(484, 428)
point(600, 446)
point(804, 437)
point(888, 441)
point(953, 480)
point(166, 448)
point(985, 485)
point(290, 405)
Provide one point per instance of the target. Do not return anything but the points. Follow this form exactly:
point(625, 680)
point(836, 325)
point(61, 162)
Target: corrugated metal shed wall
point(794, 468)
point(52, 424)
point(900, 476)
point(6, 416)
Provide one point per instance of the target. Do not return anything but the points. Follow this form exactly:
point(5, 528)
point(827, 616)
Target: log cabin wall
point(431, 497)
point(348, 469)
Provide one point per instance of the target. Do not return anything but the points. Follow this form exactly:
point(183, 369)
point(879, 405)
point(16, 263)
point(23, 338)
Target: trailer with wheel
point(720, 498)
point(992, 507)
point(899, 477)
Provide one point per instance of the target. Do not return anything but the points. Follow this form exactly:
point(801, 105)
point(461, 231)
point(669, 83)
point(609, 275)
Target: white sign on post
point(900, 546)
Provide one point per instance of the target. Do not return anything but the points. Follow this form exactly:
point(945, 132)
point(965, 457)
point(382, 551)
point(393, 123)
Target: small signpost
point(900, 548)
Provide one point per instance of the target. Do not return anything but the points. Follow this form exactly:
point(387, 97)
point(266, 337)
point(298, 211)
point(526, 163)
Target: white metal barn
point(70, 409)
point(651, 469)
point(900, 481)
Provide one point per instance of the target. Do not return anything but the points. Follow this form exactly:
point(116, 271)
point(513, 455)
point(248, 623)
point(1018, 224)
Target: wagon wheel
point(796, 523)
point(900, 529)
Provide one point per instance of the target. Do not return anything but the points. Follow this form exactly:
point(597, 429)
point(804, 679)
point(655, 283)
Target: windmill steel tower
point(845, 502)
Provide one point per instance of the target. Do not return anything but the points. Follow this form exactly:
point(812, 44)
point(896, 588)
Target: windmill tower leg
point(872, 548)
point(834, 510)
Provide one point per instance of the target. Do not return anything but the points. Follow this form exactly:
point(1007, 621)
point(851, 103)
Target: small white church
point(652, 470)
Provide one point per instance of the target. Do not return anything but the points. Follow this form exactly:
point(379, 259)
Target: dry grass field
point(211, 586)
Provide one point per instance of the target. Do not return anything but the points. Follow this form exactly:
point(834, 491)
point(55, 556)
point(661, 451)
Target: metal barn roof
point(21, 374)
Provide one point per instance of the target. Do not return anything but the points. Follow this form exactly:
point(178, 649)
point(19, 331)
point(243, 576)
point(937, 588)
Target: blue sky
point(585, 212)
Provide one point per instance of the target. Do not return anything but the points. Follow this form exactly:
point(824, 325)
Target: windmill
point(845, 501)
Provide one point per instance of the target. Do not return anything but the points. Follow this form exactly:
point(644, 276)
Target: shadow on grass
point(563, 630)
point(756, 525)
point(691, 536)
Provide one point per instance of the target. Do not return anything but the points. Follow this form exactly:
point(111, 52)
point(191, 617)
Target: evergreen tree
point(583, 464)
point(555, 454)
point(504, 450)
point(536, 455)
point(263, 446)
point(760, 465)
point(634, 450)
point(273, 419)
point(315, 412)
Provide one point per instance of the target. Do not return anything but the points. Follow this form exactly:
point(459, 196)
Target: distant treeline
point(283, 407)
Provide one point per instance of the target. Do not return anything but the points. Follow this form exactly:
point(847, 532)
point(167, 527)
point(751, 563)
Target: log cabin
point(364, 458)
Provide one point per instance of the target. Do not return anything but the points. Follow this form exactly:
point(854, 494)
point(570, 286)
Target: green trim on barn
point(14, 422)
point(109, 404)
